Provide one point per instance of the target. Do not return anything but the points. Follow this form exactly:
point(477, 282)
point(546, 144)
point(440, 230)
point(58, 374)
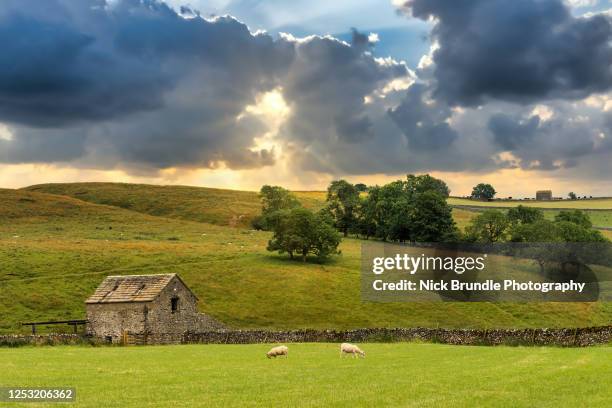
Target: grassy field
point(210, 205)
point(463, 216)
point(237, 208)
point(401, 374)
point(55, 250)
point(593, 204)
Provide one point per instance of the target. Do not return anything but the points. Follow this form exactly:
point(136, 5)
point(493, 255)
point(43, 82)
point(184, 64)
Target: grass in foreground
point(400, 374)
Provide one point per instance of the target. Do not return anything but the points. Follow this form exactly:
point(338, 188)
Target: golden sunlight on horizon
point(509, 182)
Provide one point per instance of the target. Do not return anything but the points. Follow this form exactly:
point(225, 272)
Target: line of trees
point(527, 224)
point(411, 210)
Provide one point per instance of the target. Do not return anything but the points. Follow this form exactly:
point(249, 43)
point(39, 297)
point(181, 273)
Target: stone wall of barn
point(109, 320)
point(151, 319)
point(162, 319)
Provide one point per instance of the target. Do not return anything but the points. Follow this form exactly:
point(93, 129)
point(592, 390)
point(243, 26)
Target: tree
point(483, 191)
point(365, 225)
point(569, 231)
point(431, 219)
point(301, 232)
point(342, 202)
point(362, 188)
point(411, 210)
point(538, 231)
point(576, 216)
point(425, 182)
point(392, 211)
point(524, 215)
point(273, 199)
point(572, 195)
point(490, 226)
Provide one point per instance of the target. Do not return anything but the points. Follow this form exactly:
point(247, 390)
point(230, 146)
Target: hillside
point(55, 250)
point(237, 208)
point(210, 205)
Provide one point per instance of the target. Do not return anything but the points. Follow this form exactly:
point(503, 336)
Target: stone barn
point(544, 195)
point(145, 309)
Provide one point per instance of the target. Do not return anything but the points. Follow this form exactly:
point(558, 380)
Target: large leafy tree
point(577, 217)
point(300, 232)
point(392, 212)
point(540, 230)
point(342, 203)
point(483, 191)
point(425, 182)
point(431, 219)
point(524, 215)
point(573, 232)
point(362, 188)
point(366, 224)
point(408, 211)
point(489, 226)
point(273, 199)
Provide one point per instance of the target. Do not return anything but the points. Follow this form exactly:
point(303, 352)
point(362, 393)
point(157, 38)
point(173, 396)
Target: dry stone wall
point(579, 337)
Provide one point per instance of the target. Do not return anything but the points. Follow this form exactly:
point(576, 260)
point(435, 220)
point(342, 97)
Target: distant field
point(399, 375)
point(55, 250)
point(601, 204)
point(599, 218)
point(463, 217)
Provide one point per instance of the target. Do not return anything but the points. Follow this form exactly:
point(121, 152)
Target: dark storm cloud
point(133, 84)
point(327, 86)
point(424, 125)
point(53, 73)
point(569, 137)
point(34, 146)
point(510, 132)
point(520, 50)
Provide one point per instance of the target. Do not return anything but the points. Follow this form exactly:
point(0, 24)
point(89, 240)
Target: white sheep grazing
point(278, 351)
point(348, 348)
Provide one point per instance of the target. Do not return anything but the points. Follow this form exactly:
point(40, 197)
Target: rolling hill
point(237, 208)
point(210, 205)
point(54, 250)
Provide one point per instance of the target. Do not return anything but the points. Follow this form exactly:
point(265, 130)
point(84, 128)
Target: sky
point(241, 93)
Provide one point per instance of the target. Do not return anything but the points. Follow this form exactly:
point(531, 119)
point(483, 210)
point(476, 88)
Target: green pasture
point(585, 204)
point(391, 375)
point(55, 250)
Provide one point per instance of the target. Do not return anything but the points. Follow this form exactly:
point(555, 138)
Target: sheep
point(278, 351)
point(347, 348)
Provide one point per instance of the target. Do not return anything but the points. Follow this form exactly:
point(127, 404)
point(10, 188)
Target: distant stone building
point(544, 195)
point(145, 309)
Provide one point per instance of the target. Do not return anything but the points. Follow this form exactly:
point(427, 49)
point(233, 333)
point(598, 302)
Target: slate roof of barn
point(132, 288)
